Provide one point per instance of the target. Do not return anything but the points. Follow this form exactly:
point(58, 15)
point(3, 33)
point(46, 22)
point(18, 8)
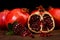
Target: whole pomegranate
point(18, 14)
point(55, 12)
point(3, 15)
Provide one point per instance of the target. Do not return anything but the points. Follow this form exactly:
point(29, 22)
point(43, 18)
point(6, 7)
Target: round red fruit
point(3, 15)
point(18, 14)
point(55, 12)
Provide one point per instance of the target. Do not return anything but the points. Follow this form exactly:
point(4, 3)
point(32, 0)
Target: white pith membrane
point(41, 25)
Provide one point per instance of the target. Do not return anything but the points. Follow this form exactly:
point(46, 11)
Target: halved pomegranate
point(41, 21)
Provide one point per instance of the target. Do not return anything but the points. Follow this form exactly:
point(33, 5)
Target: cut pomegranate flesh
point(35, 22)
point(47, 22)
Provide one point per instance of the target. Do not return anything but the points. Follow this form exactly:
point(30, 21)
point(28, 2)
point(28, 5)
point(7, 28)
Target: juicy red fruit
point(19, 14)
point(55, 12)
point(3, 15)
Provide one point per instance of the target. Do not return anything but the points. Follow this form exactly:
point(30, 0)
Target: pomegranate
point(18, 29)
point(41, 21)
point(3, 15)
point(18, 14)
point(55, 12)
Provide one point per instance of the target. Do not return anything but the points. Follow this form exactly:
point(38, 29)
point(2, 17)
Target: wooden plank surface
point(55, 36)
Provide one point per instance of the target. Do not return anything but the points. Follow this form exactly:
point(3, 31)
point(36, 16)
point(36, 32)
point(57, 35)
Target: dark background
point(30, 4)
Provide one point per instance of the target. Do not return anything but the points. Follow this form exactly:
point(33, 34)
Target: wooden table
point(55, 36)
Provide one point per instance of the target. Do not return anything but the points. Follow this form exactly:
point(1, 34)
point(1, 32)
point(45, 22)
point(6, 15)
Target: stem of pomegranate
point(40, 7)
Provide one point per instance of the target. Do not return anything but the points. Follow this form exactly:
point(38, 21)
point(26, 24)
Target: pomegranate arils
point(34, 18)
point(31, 35)
point(48, 23)
point(18, 29)
point(35, 27)
point(45, 35)
point(34, 22)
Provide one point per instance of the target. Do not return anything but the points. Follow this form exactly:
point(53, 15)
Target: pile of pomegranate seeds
point(19, 29)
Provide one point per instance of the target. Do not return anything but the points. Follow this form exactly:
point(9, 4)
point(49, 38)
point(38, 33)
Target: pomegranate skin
point(18, 14)
point(55, 12)
point(3, 15)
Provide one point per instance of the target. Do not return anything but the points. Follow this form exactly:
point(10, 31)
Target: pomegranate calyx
point(25, 10)
point(40, 7)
